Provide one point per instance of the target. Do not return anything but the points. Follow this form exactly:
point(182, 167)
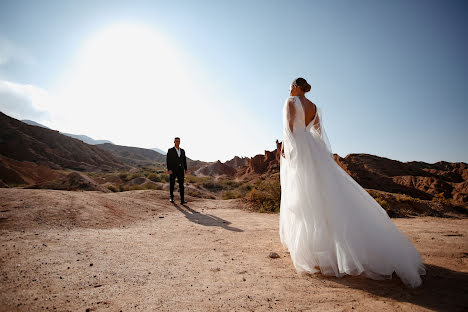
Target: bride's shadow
point(205, 219)
point(442, 289)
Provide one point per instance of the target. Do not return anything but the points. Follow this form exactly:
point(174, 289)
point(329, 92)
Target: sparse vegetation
point(213, 186)
point(123, 176)
point(262, 193)
point(440, 198)
point(231, 195)
point(112, 188)
point(384, 204)
point(198, 194)
point(266, 195)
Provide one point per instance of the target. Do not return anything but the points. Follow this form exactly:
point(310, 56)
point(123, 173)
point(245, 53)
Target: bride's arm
point(291, 113)
point(316, 124)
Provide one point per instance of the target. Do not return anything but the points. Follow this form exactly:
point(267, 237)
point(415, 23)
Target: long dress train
point(328, 220)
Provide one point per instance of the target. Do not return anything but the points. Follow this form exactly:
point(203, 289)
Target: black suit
point(178, 165)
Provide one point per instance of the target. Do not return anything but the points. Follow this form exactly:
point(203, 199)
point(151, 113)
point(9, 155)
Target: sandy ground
point(134, 251)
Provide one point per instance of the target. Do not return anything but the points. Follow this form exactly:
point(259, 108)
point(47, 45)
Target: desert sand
point(134, 251)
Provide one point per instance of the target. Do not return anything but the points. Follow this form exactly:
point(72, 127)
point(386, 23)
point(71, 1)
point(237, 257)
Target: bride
point(328, 221)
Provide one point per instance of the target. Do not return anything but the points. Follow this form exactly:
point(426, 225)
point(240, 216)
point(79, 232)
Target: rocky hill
point(237, 162)
point(416, 179)
point(259, 164)
point(420, 180)
point(133, 156)
point(216, 169)
point(137, 156)
point(42, 149)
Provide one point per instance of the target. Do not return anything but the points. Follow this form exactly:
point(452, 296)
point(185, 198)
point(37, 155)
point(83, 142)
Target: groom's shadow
point(442, 289)
point(205, 219)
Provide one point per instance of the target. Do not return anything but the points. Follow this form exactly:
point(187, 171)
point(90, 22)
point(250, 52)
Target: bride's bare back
point(309, 109)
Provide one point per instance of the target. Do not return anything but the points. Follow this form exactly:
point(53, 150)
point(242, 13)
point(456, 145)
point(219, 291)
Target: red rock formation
point(237, 162)
point(216, 169)
point(417, 179)
point(260, 164)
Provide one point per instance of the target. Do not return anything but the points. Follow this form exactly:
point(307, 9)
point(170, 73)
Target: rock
point(273, 255)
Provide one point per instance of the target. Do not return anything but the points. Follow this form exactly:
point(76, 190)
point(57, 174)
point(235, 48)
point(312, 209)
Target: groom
point(176, 167)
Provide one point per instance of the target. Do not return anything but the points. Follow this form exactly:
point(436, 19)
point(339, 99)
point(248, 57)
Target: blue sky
point(390, 76)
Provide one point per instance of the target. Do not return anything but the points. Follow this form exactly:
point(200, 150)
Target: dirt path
point(134, 251)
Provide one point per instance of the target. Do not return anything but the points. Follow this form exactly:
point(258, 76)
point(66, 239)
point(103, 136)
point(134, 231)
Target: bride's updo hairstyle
point(302, 83)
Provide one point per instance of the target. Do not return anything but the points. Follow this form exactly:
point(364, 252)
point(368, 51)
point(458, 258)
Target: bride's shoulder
point(289, 100)
point(309, 102)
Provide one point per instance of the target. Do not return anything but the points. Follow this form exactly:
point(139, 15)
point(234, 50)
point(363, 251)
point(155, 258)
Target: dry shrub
point(154, 177)
point(213, 186)
point(112, 188)
point(266, 196)
point(231, 195)
point(198, 194)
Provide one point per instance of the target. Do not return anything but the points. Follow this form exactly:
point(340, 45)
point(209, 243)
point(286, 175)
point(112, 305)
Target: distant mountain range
point(86, 139)
point(160, 151)
point(33, 123)
point(82, 137)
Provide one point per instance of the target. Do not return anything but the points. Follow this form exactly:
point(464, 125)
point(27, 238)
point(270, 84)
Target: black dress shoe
point(171, 200)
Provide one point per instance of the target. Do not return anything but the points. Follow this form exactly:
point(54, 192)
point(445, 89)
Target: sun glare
point(129, 62)
point(130, 73)
point(132, 60)
point(133, 86)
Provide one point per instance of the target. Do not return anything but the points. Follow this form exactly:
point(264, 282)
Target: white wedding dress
point(327, 220)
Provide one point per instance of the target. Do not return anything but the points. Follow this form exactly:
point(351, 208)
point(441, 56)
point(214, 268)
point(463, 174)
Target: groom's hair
point(176, 138)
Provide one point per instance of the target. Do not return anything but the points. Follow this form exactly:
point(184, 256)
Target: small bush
point(213, 186)
point(136, 175)
point(151, 186)
point(266, 197)
point(189, 178)
point(229, 184)
point(198, 194)
point(123, 176)
point(440, 198)
point(383, 203)
point(164, 177)
point(245, 188)
point(231, 195)
point(112, 188)
point(154, 177)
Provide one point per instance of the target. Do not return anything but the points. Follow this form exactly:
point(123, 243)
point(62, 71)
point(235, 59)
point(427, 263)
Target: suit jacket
point(173, 161)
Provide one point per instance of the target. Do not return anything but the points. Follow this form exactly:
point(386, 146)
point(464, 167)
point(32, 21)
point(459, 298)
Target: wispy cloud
point(23, 101)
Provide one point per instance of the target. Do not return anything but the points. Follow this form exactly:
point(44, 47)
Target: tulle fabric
point(327, 220)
